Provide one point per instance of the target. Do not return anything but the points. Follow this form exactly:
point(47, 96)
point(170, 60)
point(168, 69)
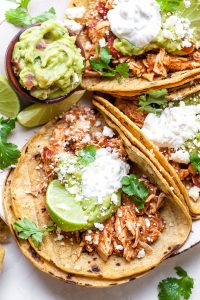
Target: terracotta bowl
point(23, 93)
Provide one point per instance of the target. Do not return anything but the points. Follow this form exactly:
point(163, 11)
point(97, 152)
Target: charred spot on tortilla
point(35, 255)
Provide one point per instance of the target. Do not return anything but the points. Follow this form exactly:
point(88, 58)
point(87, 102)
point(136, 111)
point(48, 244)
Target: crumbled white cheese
point(88, 45)
point(73, 25)
point(75, 12)
point(174, 126)
point(180, 156)
point(99, 226)
point(102, 42)
point(147, 223)
point(119, 247)
point(194, 193)
point(141, 253)
point(88, 238)
point(107, 131)
point(114, 199)
point(97, 123)
point(186, 44)
point(103, 176)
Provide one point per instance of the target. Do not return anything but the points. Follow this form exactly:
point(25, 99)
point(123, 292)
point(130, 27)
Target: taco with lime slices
point(89, 202)
point(134, 46)
point(169, 119)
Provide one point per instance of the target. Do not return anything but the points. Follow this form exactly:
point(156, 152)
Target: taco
point(40, 263)
point(111, 208)
point(135, 46)
point(169, 119)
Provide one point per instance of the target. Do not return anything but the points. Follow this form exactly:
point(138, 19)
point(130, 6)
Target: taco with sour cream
point(169, 119)
point(135, 46)
point(93, 201)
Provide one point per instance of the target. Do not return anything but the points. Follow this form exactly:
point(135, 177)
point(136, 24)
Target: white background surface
point(21, 281)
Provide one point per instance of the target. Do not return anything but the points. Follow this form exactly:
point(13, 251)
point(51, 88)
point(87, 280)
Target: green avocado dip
point(47, 61)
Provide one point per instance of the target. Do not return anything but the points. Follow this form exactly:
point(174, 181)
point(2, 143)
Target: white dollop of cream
point(174, 126)
point(103, 176)
point(138, 22)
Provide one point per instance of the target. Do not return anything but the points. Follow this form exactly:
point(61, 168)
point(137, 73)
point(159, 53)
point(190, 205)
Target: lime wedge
point(9, 102)
point(63, 209)
point(39, 114)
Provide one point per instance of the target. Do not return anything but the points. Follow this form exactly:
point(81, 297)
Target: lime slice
point(9, 102)
point(63, 209)
point(39, 114)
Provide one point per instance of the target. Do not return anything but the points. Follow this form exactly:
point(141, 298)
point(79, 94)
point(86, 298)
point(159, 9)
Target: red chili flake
point(110, 41)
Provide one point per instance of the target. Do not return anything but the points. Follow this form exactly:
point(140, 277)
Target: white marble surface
point(21, 281)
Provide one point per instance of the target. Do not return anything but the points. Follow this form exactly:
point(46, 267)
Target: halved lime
point(39, 114)
point(63, 209)
point(9, 102)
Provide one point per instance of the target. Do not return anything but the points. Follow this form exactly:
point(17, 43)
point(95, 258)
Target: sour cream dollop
point(138, 22)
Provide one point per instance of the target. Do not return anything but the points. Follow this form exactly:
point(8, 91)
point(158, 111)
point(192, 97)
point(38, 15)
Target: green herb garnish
point(175, 289)
point(27, 229)
point(102, 65)
point(87, 155)
point(9, 152)
point(153, 102)
point(169, 5)
point(195, 161)
point(20, 16)
point(136, 189)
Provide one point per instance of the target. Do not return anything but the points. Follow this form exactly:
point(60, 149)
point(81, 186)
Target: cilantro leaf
point(176, 288)
point(122, 70)
point(9, 152)
point(153, 102)
point(105, 55)
point(87, 155)
point(18, 17)
point(169, 5)
point(195, 161)
point(101, 65)
point(136, 189)
point(27, 229)
point(50, 14)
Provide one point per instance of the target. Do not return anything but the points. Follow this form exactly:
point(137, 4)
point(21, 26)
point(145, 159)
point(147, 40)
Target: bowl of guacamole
point(45, 62)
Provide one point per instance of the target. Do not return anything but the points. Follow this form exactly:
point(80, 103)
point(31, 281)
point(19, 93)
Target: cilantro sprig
point(102, 65)
point(9, 152)
point(20, 16)
point(153, 102)
point(136, 189)
point(87, 155)
point(27, 229)
point(195, 161)
point(176, 288)
point(169, 5)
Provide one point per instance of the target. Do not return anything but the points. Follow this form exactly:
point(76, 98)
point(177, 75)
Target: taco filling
point(174, 127)
point(138, 38)
point(94, 194)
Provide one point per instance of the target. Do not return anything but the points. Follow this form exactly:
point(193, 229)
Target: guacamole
point(47, 61)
